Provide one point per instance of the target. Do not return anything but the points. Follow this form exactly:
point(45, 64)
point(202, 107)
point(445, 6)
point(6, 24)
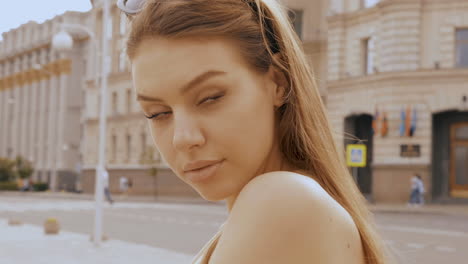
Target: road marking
point(415, 245)
point(171, 219)
point(67, 205)
point(425, 231)
point(215, 224)
point(445, 249)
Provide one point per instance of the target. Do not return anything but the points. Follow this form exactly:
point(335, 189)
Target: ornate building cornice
point(30, 76)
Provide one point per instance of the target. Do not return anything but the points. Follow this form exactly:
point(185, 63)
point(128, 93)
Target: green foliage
point(40, 187)
point(7, 172)
point(147, 158)
point(8, 186)
point(23, 167)
point(11, 169)
point(153, 171)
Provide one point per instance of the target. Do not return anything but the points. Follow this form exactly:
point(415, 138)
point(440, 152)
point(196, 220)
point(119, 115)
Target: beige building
point(309, 18)
point(40, 100)
point(402, 58)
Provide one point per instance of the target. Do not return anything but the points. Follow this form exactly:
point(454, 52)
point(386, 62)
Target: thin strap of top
point(205, 253)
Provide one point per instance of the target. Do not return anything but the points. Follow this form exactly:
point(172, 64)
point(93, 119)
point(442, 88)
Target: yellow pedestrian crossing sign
point(356, 155)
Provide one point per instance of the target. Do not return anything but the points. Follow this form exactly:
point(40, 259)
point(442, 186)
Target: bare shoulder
point(285, 217)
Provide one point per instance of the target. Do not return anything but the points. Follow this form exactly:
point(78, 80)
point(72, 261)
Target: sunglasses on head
point(131, 7)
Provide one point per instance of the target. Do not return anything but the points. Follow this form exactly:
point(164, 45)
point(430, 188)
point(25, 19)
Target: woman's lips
point(203, 173)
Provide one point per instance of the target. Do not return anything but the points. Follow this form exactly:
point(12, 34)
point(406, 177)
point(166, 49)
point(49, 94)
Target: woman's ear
point(279, 81)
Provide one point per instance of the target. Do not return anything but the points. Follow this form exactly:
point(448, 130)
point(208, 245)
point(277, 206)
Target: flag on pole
point(403, 122)
point(408, 121)
point(375, 122)
point(384, 129)
point(413, 122)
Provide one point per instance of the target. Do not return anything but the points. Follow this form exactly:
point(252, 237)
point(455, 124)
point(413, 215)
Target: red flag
point(408, 121)
point(384, 129)
point(375, 122)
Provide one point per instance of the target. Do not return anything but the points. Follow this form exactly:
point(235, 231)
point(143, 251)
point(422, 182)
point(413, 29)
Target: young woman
point(234, 110)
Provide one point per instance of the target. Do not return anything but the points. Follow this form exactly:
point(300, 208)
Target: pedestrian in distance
point(421, 189)
point(123, 185)
point(234, 110)
point(25, 185)
point(105, 180)
point(415, 194)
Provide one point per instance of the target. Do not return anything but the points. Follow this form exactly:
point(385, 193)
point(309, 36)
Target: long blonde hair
point(262, 29)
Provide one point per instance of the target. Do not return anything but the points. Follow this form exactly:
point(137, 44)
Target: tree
point(147, 158)
point(23, 167)
point(7, 172)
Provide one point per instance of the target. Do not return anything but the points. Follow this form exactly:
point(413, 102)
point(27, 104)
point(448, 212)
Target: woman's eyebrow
point(193, 83)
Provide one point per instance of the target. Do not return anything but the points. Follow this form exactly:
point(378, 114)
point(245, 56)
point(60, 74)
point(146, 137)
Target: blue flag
point(413, 122)
point(402, 124)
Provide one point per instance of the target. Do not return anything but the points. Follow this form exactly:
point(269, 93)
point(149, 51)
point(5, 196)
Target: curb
point(460, 210)
point(116, 198)
point(423, 210)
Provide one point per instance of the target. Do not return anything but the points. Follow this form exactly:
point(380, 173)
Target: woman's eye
point(158, 116)
point(210, 99)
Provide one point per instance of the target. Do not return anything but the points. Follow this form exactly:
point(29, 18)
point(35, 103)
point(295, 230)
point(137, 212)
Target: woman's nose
point(187, 134)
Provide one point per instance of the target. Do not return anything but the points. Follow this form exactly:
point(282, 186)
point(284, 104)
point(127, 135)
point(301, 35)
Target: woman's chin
point(211, 196)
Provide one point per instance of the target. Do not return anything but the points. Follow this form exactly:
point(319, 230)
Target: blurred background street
point(429, 235)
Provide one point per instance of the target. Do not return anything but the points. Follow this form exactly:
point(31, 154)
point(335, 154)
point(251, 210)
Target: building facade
point(40, 100)
point(398, 80)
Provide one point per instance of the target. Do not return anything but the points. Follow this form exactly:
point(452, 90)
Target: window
point(114, 103)
point(461, 47)
point(109, 28)
point(123, 23)
point(129, 146)
point(367, 49)
point(143, 144)
point(295, 16)
point(369, 3)
point(98, 105)
point(122, 61)
point(114, 148)
point(129, 100)
point(29, 61)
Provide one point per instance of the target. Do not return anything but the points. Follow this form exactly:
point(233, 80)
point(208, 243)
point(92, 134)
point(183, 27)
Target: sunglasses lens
point(134, 4)
point(131, 6)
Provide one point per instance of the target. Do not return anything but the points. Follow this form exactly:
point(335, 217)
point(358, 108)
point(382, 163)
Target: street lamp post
point(63, 41)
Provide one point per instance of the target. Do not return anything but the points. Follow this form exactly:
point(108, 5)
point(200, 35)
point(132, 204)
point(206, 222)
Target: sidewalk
point(446, 209)
point(117, 198)
point(26, 244)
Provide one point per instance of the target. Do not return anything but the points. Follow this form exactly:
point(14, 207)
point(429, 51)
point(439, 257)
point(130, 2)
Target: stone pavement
point(442, 209)
point(117, 198)
point(21, 244)
point(454, 209)
point(26, 244)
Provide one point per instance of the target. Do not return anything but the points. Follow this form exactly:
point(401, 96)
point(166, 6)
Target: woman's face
point(212, 117)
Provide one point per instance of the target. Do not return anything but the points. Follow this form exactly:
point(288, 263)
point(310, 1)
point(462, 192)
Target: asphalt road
point(412, 237)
